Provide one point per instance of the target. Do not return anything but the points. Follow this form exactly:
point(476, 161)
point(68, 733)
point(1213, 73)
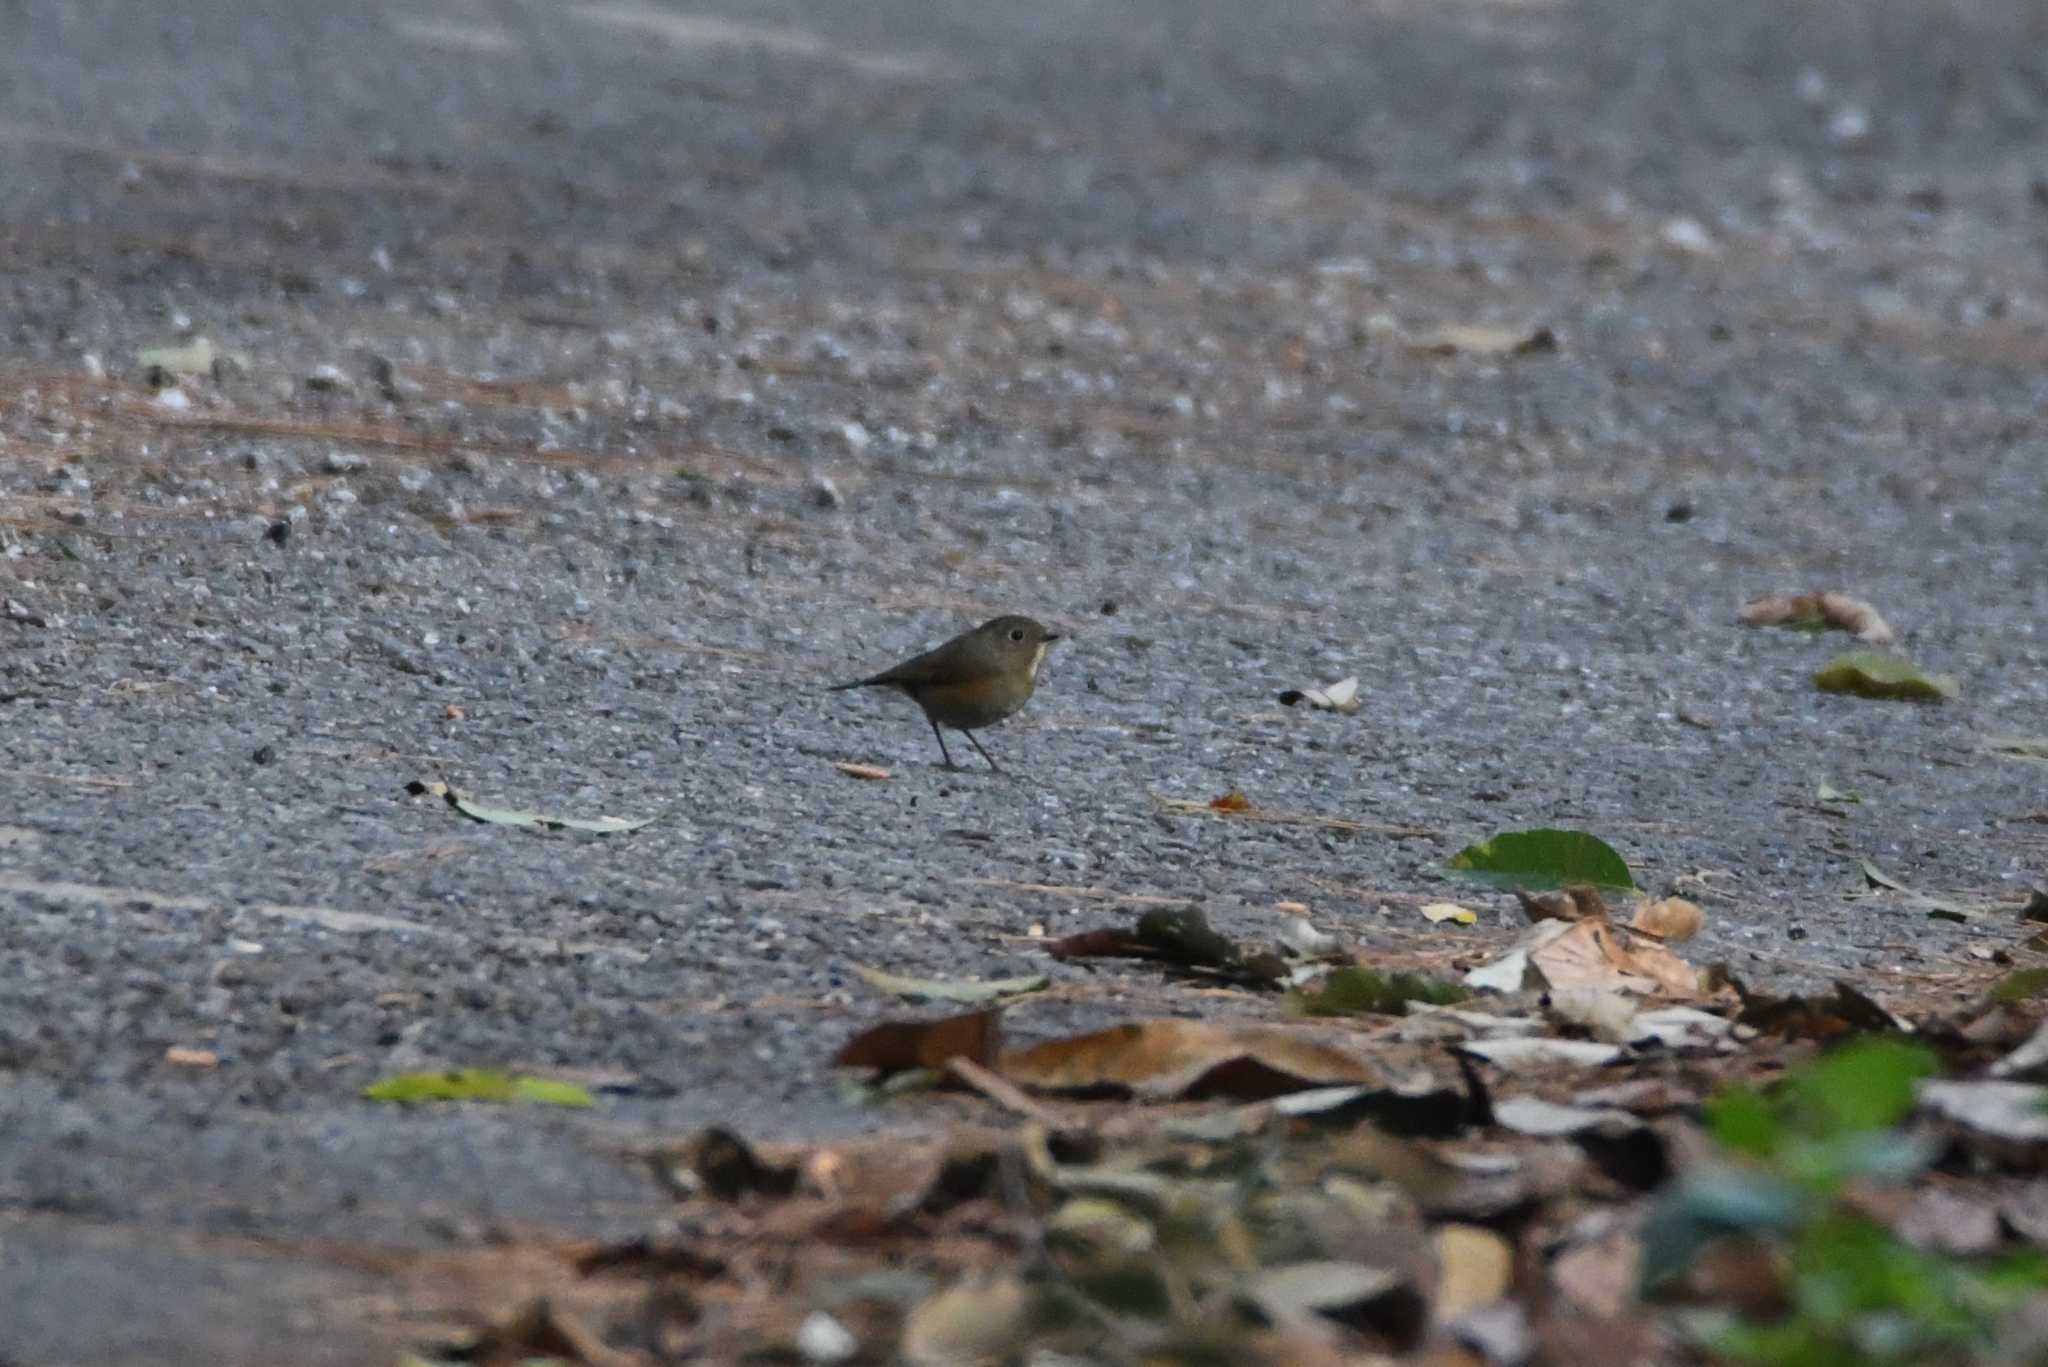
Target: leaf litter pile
point(1582, 1148)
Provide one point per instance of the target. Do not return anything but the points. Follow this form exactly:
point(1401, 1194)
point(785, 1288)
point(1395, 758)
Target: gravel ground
point(599, 381)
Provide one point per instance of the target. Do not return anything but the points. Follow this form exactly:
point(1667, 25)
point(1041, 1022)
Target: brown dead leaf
point(970, 1323)
point(1474, 1268)
point(1845, 1011)
point(1232, 801)
point(1183, 938)
point(178, 1056)
point(1099, 944)
point(719, 1163)
point(544, 1330)
point(1815, 611)
point(872, 772)
point(1577, 902)
point(1168, 1059)
point(1599, 1278)
point(895, 1046)
point(1672, 920)
point(1739, 1273)
point(1942, 1219)
point(1591, 954)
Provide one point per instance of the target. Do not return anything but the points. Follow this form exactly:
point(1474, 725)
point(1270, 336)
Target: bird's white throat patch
point(1038, 658)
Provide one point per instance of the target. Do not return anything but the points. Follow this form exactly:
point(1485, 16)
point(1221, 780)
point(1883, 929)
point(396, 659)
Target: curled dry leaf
point(1182, 937)
point(1174, 1058)
point(1845, 1011)
point(896, 1046)
point(1588, 954)
point(1673, 920)
point(178, 1056)
point(1341, 696)
point(874, 773)
point(1579, 902)
point(1482, 339)
point(1438, 912)
point(1232, 801)
point(538, 821)
point(1817, 612)
point(1592, 954)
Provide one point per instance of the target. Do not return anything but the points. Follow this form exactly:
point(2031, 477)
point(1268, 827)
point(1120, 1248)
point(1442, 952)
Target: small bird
point(974, 680)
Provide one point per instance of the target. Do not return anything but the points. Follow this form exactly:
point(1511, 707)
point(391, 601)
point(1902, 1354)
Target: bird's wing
point(916, 670)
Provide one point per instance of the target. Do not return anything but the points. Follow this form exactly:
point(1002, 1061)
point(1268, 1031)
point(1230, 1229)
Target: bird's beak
point(1051, 636)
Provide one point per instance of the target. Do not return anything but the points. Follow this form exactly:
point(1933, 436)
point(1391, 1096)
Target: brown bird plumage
point(974, 680)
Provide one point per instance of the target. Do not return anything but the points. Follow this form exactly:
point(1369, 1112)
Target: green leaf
point(943, 990)
point(476, 1084)
point(1873, 674)
point(1742, 1120)
point(1865, 1085)
point(1358, 991)
point(1544, 859)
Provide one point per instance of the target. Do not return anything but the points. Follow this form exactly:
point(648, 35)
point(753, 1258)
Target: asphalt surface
point(620, 374)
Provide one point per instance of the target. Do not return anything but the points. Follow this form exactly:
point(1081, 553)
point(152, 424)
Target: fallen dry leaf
point(1543, 1051)
point(1673, 920)
point(971, 1322)
point(1232, 801)
point(1875, 674)
point(1341, 696)
point(2010, 1118)
point(539, 821)
point(1474, 1268)
point(1438, 912)
point(181, 1057)
point(1162, 1059)
point(1181, 937)
point(1845, 1011)
point(1817, 611)
point(1592, 954)
point(1587, 955)
point(1481, 339)
point(872, 772)
point(545, 1331)
point(1599, 1277)
point(895, 1046)
point(1578, 902)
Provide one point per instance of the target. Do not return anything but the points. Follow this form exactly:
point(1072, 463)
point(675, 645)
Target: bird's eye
point(1016, 633)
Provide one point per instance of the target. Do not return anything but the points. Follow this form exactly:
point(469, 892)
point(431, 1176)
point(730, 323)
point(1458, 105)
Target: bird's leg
point(984, 754)
point(941, 736)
